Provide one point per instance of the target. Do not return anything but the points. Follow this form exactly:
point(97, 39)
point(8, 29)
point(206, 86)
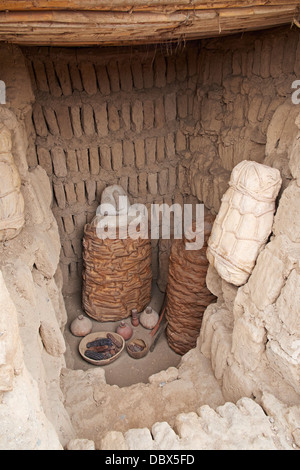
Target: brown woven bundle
point(187, 293)
point(117, 275)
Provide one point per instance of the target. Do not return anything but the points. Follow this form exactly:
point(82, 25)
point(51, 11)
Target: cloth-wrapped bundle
point(244, 222)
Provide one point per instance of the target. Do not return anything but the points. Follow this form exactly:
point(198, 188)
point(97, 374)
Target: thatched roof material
point(81, 23)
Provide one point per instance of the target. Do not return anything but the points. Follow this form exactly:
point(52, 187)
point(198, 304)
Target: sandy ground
point(125, 370)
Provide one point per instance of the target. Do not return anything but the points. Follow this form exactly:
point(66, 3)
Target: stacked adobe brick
point(111, 117)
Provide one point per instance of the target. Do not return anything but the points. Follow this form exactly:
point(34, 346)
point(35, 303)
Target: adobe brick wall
point(111, 117)
point(167, 124)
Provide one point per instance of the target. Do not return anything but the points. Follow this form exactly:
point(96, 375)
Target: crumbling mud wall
point(32, 316)
point(252, 333)
point(242, 81)
point(166, 123)
point(250, 336)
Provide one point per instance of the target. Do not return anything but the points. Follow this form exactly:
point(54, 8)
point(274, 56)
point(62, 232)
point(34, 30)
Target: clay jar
point(81, 326)
point(149, 318)
point(124, 330)
point(134, 317)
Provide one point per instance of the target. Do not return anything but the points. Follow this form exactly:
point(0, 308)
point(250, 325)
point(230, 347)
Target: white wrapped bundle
point(244, 222)
point(11, 199)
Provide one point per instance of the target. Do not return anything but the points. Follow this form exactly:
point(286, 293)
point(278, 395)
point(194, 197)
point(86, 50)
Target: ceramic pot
point(124, 330)
point(135, 317)
point(149, 318)
point(81, 326)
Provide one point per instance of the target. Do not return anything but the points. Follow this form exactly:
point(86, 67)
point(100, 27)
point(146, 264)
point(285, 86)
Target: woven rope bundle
point(116, 276)
point(187, 293)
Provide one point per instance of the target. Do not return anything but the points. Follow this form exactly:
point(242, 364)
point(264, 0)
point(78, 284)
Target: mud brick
point(100, 111)
point(181, 177)
point(181, 67)
point(62, 72)
point(89, 79)
point(70, 193)
point(160, 149)
point(67, 248)
point(80, 220)
point(148, 114)
point(123, 182)
point(137, 74)
point(71, 157)
point(75, 77)
point(80, 192)
point(289, 54)
point(59, 194)
point(163, 181)
point(90, 186)
point(39, 121)
point(148, 74)
point(133, 185)
point(171, 72)
point(77, 247)
point(51, 121)
point(216, 67)
point(180, 141)
point(170, 106)
point(100, 186)
point(105, 157)
point(113, 73)
point(137, 116)
point(152, 183)
point(142, 181)
point(68, 224)
point(236, 63)
point(64, 122)
point(250, 59)
point(139, 147)
point(172, 179)
point(88, 119)
point(170, 146)
point(40, 76)
point(44, 160)
point(117, 156)
point(160, 72)
point(192, 54)
point(159, 113)
point(150, 151)
point(59, 162)
point(265, 58)
point(32, 159)
point(277, 56)
point(103, 80)
point(257, 57)
point(83, 160)
point(128, 150)
point(227, 65)
point(125, 113)
point(54, 86)
point(113, 118)
point(94, 160)
point(182, 106)
point(125, 76)
point(76, 120)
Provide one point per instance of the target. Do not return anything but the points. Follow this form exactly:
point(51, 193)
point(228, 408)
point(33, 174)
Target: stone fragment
point(52, 338)
point(80, 444)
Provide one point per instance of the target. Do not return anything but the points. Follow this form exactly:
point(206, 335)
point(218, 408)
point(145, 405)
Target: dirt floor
point(125, 370)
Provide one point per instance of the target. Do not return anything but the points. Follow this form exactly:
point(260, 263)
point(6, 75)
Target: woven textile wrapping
point(244, 222)
point(117, 275)
point(187, 293)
